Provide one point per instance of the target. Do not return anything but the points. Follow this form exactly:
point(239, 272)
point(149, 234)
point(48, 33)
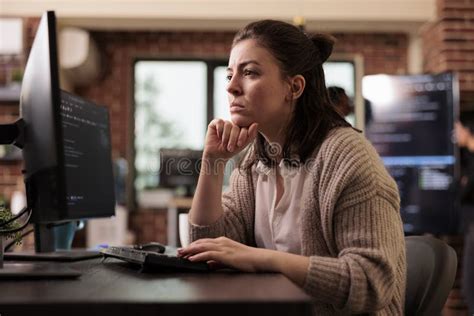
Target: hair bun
point(324, 44)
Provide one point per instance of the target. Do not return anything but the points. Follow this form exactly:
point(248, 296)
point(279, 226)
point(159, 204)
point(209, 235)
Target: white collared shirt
point(277, 226)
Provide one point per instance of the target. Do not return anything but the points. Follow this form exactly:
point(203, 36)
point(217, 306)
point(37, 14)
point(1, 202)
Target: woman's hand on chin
point(225, 139)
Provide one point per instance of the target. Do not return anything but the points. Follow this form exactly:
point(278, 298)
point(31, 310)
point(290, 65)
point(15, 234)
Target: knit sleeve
point(359, 205)
point(237, 221)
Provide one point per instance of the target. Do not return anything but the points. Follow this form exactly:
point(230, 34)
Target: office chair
point(431, 269)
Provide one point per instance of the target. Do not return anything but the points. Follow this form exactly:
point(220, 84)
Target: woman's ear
point(297, 85)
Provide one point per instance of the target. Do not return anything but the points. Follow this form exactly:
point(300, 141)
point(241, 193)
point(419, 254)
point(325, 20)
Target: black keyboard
point(153, 261)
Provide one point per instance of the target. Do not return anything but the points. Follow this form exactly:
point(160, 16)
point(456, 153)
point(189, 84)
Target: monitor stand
point(58, 256)
point(45, 249)
point(37, 270)
point(13, 133)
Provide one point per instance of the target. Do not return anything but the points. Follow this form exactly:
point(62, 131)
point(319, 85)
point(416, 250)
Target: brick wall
point(149, 225)
point(121, 50)
point(383, 53)
point(448, 45)
point(10, 171)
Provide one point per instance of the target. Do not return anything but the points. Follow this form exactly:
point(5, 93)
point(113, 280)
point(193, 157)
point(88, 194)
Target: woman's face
point(256, 90)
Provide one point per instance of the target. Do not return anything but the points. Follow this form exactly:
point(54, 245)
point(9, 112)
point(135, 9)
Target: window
point(176, 99)
point(221, 106)
point(173, 109)
point(342, 74)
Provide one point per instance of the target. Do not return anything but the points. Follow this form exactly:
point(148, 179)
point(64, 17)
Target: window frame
point(357, 61)
point(211, 64)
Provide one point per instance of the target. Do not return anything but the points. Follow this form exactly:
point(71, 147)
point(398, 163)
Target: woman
point(311, 198)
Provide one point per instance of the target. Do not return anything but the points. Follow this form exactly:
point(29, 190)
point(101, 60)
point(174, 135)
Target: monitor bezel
point(34, 177)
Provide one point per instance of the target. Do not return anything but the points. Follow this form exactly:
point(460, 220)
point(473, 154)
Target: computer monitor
point(179, 169)
point(66, 146)
point(411, 125)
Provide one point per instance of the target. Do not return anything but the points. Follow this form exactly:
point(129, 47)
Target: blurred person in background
point(465, 139)
point(340, 100)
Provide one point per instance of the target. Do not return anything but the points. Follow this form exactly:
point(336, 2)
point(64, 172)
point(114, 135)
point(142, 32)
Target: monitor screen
point(411, 124)
point(67, 150)
point(179, 168)
point(87, 161)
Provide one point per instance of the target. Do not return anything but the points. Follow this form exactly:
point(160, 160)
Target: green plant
point(6, 215)
point(17, 75)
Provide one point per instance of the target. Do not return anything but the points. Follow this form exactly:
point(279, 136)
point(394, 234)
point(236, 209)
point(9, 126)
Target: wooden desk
point(114, 288)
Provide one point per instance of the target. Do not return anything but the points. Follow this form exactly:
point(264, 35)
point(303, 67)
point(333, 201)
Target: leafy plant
point(17, 75)
point(6, 215)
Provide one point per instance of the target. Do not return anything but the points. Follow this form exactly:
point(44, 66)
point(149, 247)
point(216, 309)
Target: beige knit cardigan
point(350, 227)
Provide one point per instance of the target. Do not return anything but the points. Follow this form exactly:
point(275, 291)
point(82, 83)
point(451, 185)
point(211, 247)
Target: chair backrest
point(431, 269)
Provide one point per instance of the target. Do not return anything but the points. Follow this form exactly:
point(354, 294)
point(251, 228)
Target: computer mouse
point(152, 246)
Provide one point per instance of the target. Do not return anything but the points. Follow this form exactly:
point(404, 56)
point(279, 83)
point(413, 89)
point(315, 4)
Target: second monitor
point(179, 169)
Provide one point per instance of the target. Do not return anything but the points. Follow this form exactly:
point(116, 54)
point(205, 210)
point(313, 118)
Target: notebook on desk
point(153, 261)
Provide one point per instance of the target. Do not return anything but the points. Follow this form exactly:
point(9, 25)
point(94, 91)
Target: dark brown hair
point(303, 54)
